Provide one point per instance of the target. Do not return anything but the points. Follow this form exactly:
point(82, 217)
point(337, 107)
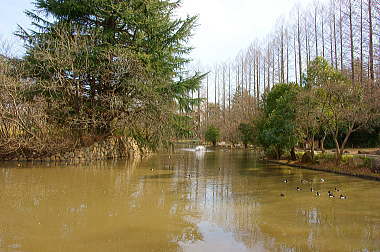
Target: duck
point(322, 180)
point(298, 188)
point(286, 181)
point(318, 194)
point(330, 194)
point(282, 195)
point(343, 196)
point(311, 189)
point(188, 176)
point(152, 169)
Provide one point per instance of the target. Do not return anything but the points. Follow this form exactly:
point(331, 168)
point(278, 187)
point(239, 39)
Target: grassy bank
point(351, 165)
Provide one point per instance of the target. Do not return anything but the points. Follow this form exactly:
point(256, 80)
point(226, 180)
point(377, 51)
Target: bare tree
point(371, 67)
point(351, 44)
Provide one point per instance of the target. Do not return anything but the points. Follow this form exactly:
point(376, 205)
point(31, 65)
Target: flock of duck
point(330, 194)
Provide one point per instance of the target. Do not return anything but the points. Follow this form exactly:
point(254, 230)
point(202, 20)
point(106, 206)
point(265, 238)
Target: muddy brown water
point(215, 201)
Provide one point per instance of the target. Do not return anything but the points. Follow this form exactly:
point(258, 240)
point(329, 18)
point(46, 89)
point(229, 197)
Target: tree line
point(344, 33)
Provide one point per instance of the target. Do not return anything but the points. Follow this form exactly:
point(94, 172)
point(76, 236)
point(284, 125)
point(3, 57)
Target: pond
point(185, 201)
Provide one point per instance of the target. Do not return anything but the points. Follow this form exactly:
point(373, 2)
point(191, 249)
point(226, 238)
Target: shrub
point(212, 135)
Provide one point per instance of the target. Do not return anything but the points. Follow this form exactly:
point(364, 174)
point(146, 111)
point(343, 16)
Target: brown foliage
point(24, 128)
point(242, 110)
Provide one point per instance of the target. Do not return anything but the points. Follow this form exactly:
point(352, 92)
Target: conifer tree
point(127, 68)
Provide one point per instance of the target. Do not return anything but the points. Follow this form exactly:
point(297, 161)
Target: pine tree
point(130, 59)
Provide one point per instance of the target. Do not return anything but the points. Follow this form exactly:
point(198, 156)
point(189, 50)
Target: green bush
point(246, 133)
point(212, 135)
point(275, 129)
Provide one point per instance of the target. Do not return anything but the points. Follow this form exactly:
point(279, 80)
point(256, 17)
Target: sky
point(224, 28)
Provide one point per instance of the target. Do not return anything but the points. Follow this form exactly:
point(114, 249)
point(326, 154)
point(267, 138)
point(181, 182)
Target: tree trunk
point(316, 31)
point(287, 56)
point(361, 42)
point(264, 74)
point(216, 83)
point(323, 143)
point(278, 153)
point(341, 36)
point(258, 79)
point(282, 56)
point(295, 58)
point(224, 93)
point(337, 152)
point(273, 66)
point(242, 76)
point(335, 47)
point(331, 43)
point(268, 70)
point(249, 78)
point(199, 113)
point(323, 33)
point(229, 87)
point(207, 101)
point(279, 66)
point(371, 69)
point(293, 154)
point(299, 50)
point(352, 45)
point(254, 80)
point(307, 42)
point(343, 146)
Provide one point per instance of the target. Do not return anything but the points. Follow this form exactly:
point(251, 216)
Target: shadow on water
point(159, 176)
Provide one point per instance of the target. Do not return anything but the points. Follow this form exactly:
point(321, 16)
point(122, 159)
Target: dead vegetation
point(25, 131)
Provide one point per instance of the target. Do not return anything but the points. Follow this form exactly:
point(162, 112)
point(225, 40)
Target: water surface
point(184, 201)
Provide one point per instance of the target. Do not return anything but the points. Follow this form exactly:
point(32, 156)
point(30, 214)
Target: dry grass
point(345, 168)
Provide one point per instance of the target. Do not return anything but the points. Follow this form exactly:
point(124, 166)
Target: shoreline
point(302, 166)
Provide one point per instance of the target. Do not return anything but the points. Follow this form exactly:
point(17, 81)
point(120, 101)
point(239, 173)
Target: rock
point(111, 148)
point(307, 157)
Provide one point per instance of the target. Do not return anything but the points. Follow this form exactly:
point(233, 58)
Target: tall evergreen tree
point(128, 67)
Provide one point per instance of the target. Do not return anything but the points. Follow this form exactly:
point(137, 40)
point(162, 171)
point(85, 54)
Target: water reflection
point(224, 201)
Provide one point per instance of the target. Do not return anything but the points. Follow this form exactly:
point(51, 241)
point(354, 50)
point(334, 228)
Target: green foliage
point(212, 134)
point(106, 64)
point(325, 157)
point(338, 106)
point(246, 133)
point(276, 129)
point(183, 124)
point(320, 73)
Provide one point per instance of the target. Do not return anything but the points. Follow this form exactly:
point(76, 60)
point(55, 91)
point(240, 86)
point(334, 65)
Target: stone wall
point(111, 148)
